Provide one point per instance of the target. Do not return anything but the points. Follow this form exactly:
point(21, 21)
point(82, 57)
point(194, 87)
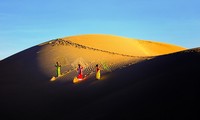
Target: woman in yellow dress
point(98, 74)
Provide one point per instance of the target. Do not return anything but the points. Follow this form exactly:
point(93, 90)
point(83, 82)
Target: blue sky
point(25, 23)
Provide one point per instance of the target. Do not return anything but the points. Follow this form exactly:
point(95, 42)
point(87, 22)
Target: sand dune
point(98, 49)
point(142, 79)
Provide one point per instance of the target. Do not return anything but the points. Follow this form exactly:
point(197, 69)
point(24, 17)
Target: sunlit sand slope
point(110, 52)
point(124, 45)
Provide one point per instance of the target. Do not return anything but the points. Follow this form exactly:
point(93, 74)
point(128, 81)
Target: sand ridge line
point(67, 42)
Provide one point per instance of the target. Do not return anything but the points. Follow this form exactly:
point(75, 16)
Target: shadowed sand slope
point(165, 87)
point(133, 85)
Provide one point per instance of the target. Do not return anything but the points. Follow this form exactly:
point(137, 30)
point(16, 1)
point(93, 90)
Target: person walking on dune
point(98, 74)
point(80, 72)
point(58, 69)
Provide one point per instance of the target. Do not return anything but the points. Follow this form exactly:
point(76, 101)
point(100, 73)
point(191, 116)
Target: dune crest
point(124, 45)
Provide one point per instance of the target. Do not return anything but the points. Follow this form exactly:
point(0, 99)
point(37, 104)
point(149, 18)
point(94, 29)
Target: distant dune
point(140, 80)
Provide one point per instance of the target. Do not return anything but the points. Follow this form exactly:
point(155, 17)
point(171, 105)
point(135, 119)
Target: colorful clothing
point(58, 69)
point(98, 74)
point(80, 72)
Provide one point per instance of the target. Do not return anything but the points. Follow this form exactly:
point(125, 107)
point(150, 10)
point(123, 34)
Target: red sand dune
point(160, 82)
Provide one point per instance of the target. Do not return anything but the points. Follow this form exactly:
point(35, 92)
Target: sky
point(26, 23)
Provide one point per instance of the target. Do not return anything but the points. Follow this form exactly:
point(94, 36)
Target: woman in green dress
point(58, 69)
